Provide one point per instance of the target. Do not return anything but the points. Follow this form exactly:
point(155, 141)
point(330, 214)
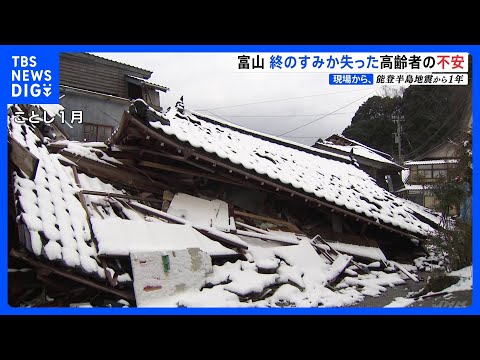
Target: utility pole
point(398, 135)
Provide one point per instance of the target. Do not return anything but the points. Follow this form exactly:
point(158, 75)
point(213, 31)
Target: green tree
point(431, 115)
point(372, 124)
point(455, 190)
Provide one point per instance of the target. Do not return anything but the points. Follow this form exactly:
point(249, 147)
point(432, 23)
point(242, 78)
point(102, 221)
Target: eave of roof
point(431, 162)
point(140, 81)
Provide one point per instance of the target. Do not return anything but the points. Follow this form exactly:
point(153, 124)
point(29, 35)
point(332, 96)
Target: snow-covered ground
point(464, 284)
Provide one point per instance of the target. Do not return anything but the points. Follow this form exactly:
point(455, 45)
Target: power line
point(322, 117)
point(288, 136)
point(286, 116)
point(445, 122)
point(286, 99)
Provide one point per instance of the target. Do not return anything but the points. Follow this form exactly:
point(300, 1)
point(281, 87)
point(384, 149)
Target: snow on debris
point(120, 237)
point(333, 181)
point(95, 184)
point(300, 280)
point(90, 151)
point(373, 283)
point(363, 251)
point(231, 238)
point(206, 213)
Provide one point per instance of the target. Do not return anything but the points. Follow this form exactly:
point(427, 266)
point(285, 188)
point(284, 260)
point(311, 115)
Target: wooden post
point(81, 196)
point(23, 159)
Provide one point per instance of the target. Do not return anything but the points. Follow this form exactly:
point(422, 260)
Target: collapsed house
point(181, 209)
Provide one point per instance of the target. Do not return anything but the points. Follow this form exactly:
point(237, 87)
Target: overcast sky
point(210, 83)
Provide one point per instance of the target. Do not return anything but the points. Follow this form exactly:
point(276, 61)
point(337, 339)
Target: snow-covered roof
point(431, 162)
point(359, 150)
point(54, 217)
point(412, 187)
point(332, 181)
point(352, 142)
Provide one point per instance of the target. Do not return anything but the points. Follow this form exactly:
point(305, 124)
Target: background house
point(375, 163)
point(102, 89)
point(431, 165)
point(425, 170)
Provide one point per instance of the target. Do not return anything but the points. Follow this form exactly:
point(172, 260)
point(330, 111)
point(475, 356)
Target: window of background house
point(416, 198)
point(96, 132)
point(439, 170)
point(425, 171)
point(134, 91)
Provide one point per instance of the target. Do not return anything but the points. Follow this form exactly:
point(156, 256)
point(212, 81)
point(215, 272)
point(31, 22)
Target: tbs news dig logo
point(34, 79)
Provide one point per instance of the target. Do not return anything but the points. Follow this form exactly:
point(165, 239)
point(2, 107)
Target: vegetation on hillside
point(431, 115)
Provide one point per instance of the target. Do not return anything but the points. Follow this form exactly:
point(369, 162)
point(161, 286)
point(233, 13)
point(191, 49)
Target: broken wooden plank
point(267, 218)
point(323, 252)
point(231, 222)
point(81, 196)
point(403, 270)
point(117, 174)
point(338, 267)
point(271, 237)
point(22, 256)
point(322, 240)
point(121, 196)
point(250, 227)
point(23, 159)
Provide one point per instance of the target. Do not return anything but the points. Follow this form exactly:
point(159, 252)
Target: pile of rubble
point(181, 209)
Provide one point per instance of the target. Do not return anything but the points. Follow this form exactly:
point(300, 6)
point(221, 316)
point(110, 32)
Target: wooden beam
point(128, 149)
point(80, 279)
point(81, 196)
point(155, 165)
point(338, 266)
point(271, 237)
point(121, 196)
point(266, 218)
point(23, 159)
point(117, 174)
point(250, 227)
point(403, 270)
